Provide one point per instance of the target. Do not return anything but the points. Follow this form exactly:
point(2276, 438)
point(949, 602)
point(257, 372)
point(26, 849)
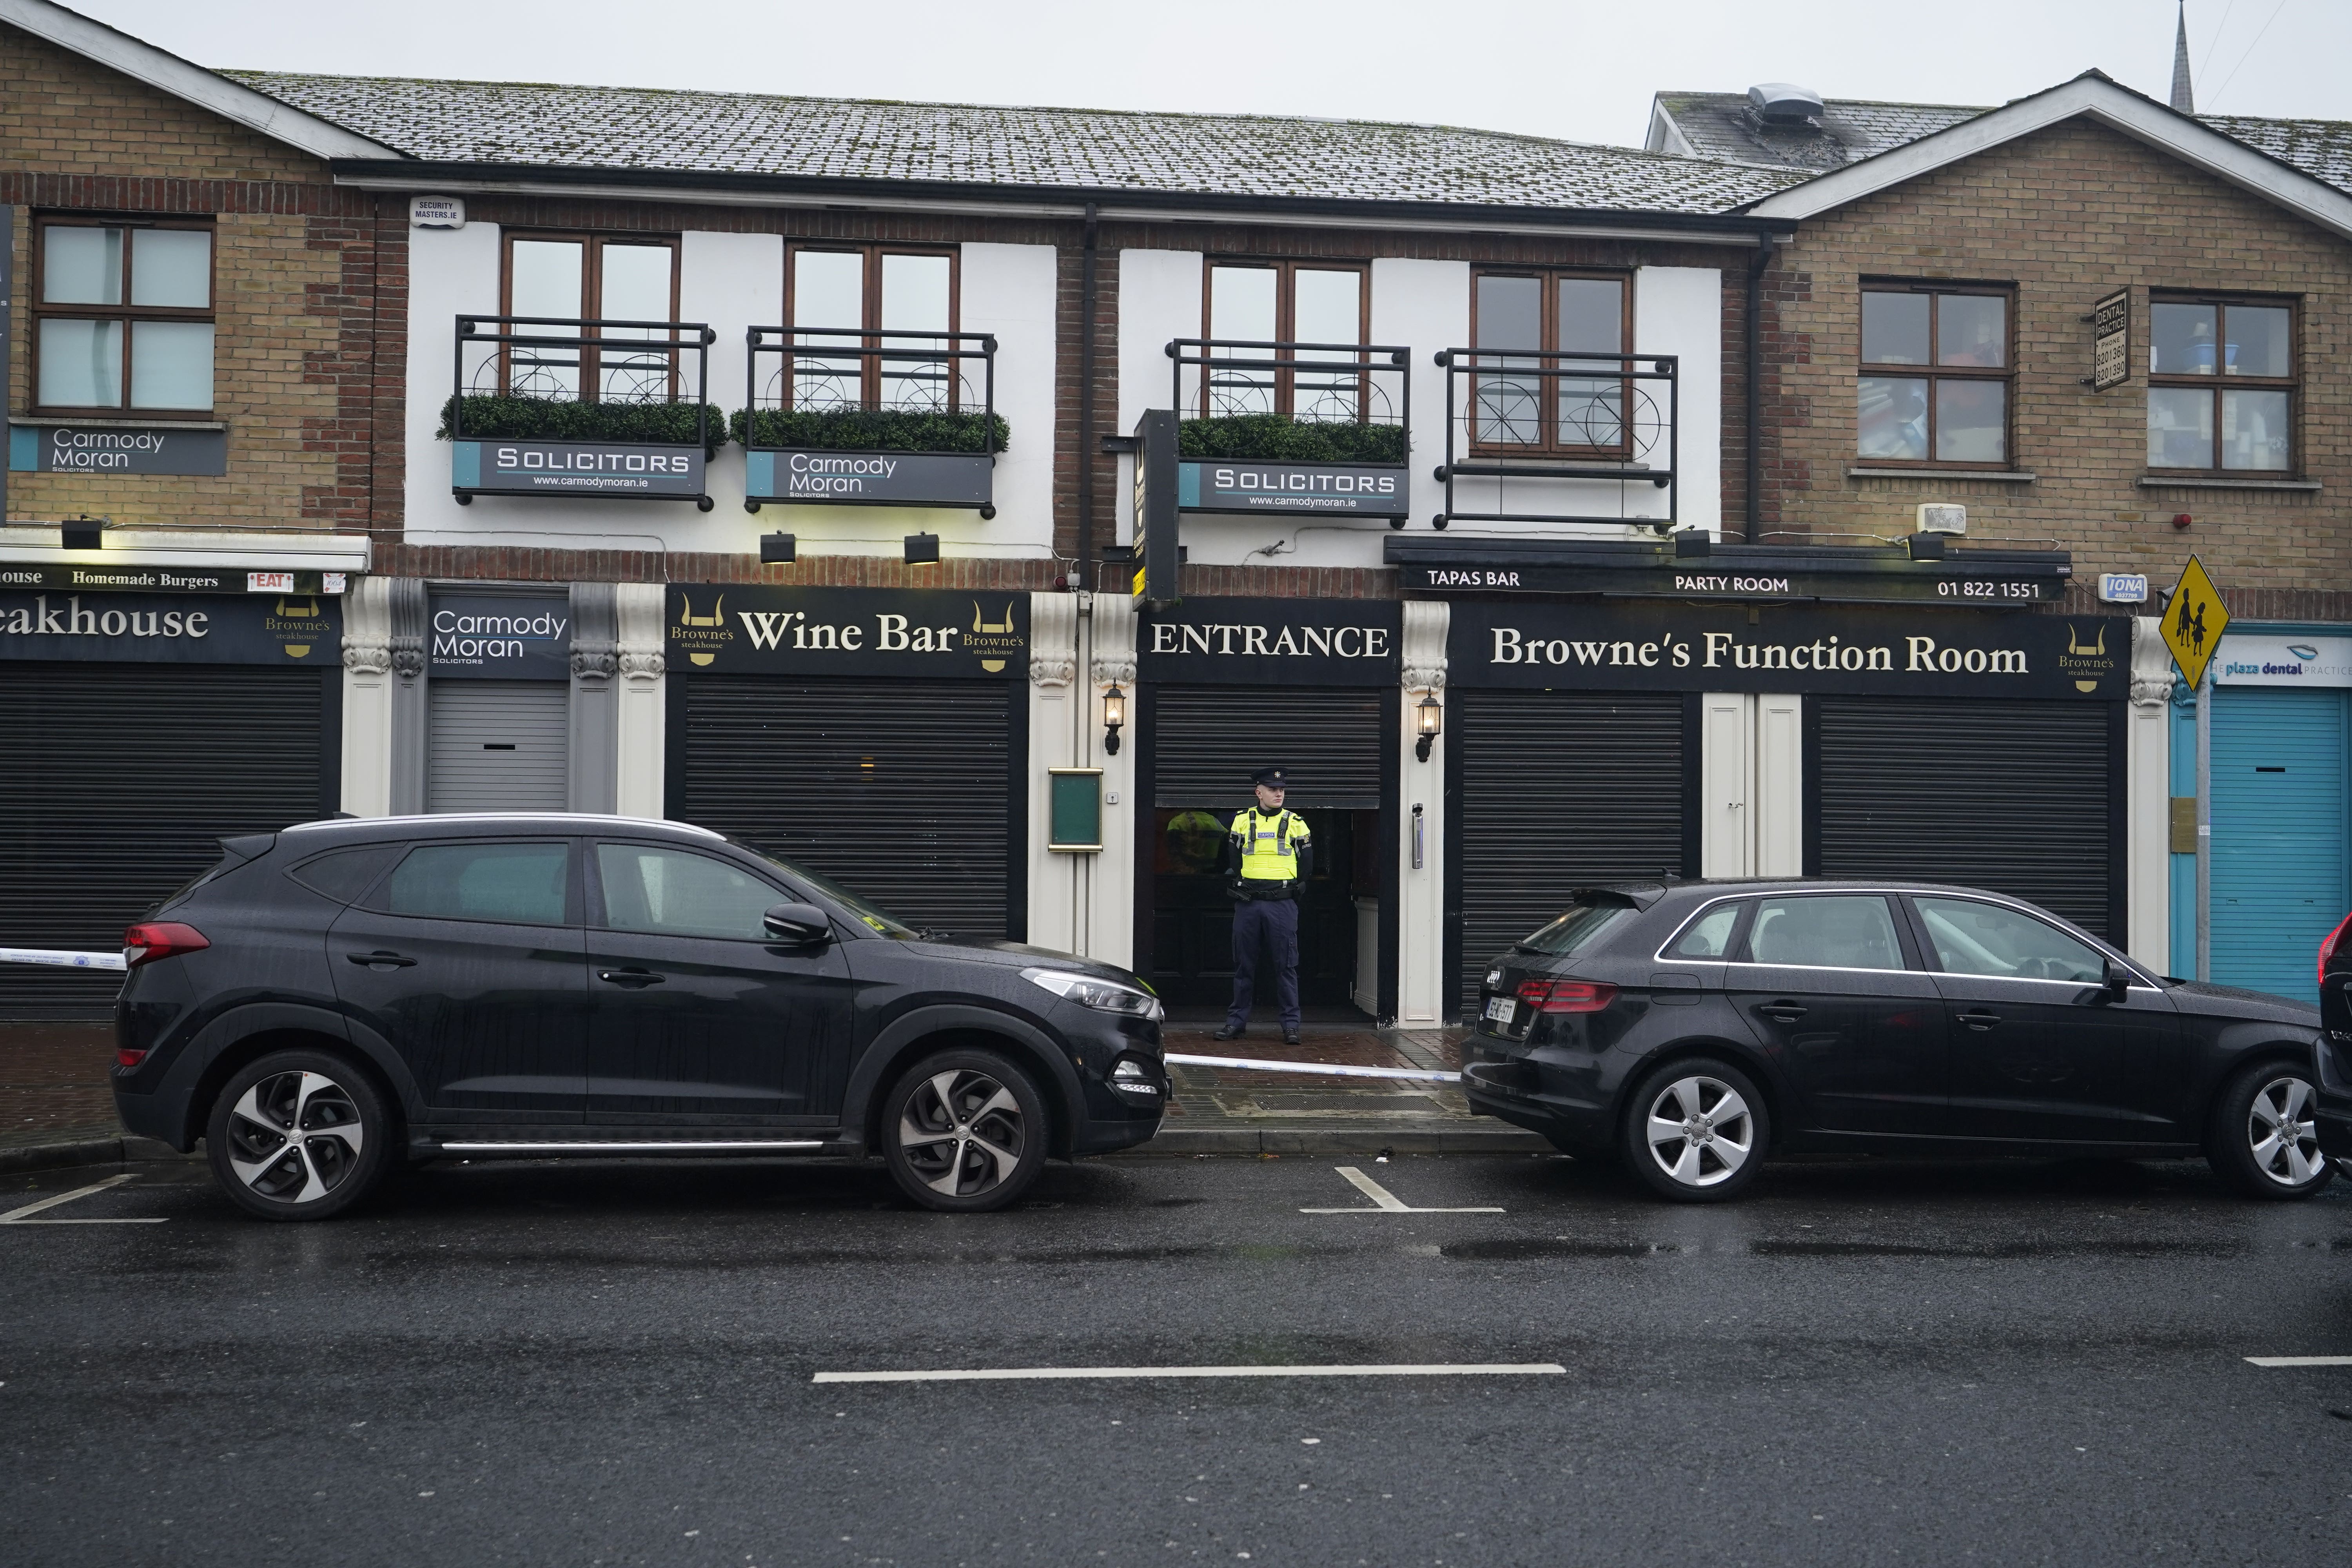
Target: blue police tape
point(62, 960)
point(1319, 1069)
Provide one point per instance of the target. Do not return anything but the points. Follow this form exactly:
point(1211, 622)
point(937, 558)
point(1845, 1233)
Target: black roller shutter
point(1208, 739)
point(2019, 797)
point(120, 778)
point(1556, 789)
point(900, 791)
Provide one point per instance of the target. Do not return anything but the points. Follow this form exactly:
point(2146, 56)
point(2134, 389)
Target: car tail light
point(2328, 949)
point(126, 1057)
point(151, 939)
point(1567, 996)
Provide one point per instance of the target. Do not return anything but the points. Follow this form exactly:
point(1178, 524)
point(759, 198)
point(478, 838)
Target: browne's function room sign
point(914, 633)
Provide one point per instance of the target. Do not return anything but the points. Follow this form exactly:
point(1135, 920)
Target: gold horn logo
point(686, 617)
point(2074, 641)
point(982, 626)
point(299, 609)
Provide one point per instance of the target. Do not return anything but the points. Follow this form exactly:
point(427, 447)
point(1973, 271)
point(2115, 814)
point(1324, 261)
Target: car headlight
point(1102, 995)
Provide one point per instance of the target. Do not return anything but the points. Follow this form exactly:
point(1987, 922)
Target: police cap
point(1270, 777)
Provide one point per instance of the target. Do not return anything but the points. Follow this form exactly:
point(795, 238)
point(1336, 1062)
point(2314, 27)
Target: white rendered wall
point(729, 283)
point(1159, 301)
point(1679, 311)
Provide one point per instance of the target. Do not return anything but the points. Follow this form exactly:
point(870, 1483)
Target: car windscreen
point(868, 914)
point(1576, 929)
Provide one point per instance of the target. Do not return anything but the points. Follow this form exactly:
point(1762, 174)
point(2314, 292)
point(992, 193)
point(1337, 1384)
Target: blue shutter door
point(2282, 866)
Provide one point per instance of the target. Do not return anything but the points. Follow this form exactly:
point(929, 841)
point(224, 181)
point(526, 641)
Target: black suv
point(341, 995)
point(1695, 1027)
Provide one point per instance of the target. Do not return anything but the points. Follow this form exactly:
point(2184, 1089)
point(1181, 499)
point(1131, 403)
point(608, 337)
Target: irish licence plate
point(1501, 1008)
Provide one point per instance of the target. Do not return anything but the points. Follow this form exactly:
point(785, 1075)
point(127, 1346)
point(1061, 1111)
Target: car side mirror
point(2115, 981)
point(803, 923)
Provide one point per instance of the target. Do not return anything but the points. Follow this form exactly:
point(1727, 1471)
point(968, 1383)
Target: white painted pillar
point(638, 727)
point(1778, 805)
point(2148, 791)
point(1109, 649)
point(1421, 850)
point(367, 698)
point(1057, 882)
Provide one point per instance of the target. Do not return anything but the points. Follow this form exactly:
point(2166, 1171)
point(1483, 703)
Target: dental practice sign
point(868, 479)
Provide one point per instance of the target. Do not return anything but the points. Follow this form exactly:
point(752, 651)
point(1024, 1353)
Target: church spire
point(2181, 97)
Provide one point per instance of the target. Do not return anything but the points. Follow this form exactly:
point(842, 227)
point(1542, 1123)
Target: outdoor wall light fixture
point(82, 533)
point(779, 549)
point(1114, 718)
point(922, 549)
point(1429, 718)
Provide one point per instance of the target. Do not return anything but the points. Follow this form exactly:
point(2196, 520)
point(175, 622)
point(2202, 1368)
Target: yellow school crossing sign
point(2193, 622)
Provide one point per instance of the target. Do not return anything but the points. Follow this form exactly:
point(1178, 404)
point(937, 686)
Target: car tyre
point(2264, 1141)
point(298, 1135)
point(964, 1132)
point(1696, 1130)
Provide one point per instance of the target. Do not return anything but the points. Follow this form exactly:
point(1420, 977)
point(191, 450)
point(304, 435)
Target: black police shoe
point(1229, 1032)
point(1290, 1035)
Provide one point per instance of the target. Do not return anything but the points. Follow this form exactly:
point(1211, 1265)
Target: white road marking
point(2301, 1360)
point(1023, 1374)
point(18, 1216)
point(1388, 1201)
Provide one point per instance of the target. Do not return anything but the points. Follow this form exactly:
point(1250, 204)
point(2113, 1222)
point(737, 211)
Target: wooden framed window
point(122, 316)
point(1933, 386)
point(1552, 318)
point(1267, 302)
point(2223, 379)
point(895, 300)
point(569, 280)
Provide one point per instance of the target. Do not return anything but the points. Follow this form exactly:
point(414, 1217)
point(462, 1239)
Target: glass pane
point(546, 275)
point(1592, 413)
point(828, 290)
point(172, 267)
point(1986, 939)
point(1891, 418)
point(635, 287)
point(1710, 935)
point(2179, 427)
point(1591, 316)
point(1972, 328)
point(2258, 340)
point(1971, 421)
point(2253, 430)
point(519, 882)
point(1575, 931)
point(171, 364)
point(1893, 329)
point(2181, 340)
point(681, 894)
point(1327, 307)
point(915, 299)
point(1855, 932)
point(81, 266)
point(81, 365)
point(1508, 409)
point(1241, 307)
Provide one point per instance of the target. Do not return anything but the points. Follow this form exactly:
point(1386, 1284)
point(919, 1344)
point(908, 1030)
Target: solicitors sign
point(1653, 647)
point(1339, 488)
point(916, 633)
point(576, 468)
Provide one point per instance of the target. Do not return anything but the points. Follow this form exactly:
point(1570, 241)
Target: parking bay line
point(1387, 1201)
point(1026, 1373)
point(18, 1216)
point(2301, 1360)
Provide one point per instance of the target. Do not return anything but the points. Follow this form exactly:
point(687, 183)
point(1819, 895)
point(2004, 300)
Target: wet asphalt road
point(1867, 1363)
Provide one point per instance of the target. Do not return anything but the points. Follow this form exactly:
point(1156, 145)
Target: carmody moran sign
point(576, 467)
point(1698, 647)
point(869, 479)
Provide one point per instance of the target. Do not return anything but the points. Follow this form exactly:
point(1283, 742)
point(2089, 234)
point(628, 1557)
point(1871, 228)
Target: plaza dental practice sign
point(1674, 647)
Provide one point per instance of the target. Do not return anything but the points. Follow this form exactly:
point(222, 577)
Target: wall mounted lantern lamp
point(1114, 718)
point(1429, 719)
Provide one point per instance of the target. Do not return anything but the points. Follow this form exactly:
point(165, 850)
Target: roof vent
point(1785, 103)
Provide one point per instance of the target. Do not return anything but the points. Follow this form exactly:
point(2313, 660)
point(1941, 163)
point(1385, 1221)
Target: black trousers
point(1267, 928)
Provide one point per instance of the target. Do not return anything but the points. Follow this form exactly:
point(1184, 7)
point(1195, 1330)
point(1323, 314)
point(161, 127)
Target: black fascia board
point(421, 174)
point(1636, 555)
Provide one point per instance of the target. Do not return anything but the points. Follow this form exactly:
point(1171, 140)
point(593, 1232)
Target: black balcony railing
point(929, 397)
point(1241, 398)
point(1522, 421)
point(517, 370)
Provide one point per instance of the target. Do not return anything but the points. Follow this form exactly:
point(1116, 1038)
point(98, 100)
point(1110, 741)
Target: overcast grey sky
point(1576, 68)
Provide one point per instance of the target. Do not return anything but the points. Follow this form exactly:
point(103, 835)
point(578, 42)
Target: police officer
point(1268, 857)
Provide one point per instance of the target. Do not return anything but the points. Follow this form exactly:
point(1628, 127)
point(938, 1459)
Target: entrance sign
point(2110, 341)
point(153, 628)
point(116, 450)
point(2253, 659)
point(1272, 642)
point(1156, 560)
point(504, 637)
point(2194, 622)
point(916, 633)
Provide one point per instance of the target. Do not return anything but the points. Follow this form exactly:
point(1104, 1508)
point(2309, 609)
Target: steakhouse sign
point(1678, 647)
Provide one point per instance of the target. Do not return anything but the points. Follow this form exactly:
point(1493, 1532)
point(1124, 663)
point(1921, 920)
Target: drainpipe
point(1086, 406)
point(1755, 378)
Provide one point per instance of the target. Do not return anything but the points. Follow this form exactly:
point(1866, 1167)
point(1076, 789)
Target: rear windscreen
point(1575, 929)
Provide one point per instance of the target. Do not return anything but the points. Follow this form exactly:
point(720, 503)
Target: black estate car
point(342, 996)
point(1694, 1027)
point(2334, 1101)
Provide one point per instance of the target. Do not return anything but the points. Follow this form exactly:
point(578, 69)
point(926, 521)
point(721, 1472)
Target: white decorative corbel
point(1053, 638)
point(1423, 662)
point(637, 615)
point(2151, 664)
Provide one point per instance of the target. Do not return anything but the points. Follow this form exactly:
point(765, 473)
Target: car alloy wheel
point(964, 1130)
point(298, 1135)
point(2281, 1133)
point(1696, 1130)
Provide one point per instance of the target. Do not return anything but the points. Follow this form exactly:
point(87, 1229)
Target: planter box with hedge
point(870, 456)
point(543, 446)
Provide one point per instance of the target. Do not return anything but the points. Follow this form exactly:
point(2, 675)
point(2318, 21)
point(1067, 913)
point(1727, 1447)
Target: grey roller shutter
point(1558, 789)
point(900, 791)
point(497, 745)
point(1207, 740)
point(2012, 797)
point(121, 778)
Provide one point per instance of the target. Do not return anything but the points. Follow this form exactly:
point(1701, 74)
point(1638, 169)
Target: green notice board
point(1073, 820)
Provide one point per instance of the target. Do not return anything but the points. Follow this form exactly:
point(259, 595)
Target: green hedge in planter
point(491, 418)
point(861, 430)
point(1278, 438)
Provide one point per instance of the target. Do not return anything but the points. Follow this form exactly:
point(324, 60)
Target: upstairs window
point(567, 280)
point(2220, 385)
point(1933, 386)
point(1569, 323)
point(122, 317)
point(1253, 304)
point(896, 304)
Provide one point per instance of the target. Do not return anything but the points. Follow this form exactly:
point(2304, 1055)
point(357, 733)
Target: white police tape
point(63, 960)
point(1321, 1070)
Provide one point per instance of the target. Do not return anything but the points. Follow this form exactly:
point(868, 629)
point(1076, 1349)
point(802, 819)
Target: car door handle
point(1782, 1012)
point(381, 959)
point(1980, 1021)
point(630, 976)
